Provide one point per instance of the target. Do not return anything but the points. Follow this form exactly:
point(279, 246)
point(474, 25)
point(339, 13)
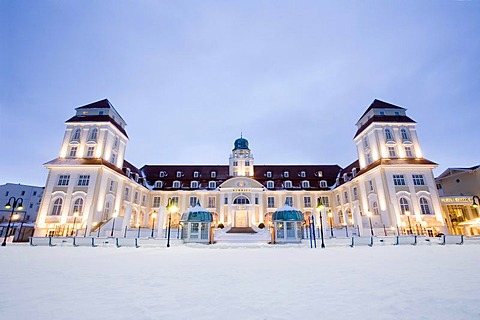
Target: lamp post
point(21, 225)
point(346, 230)
point(154, 215)
point(138, 227)
point(94, 224)
point(171, 208)
point(330, 218)
point(13, 203)
point(369, 214)
point(75, 215)
point(320, 207)
point(407, 213)
point(115, 214)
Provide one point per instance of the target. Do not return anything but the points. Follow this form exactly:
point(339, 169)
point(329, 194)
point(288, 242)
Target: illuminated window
point(424, 206)
point(404, 206)
point(90, 152)
point(156, 202)
point(73, 152)
point(408, 152)
point(391, 152)
point(271, 202)
point(57, 207)
point(307, 202)
point(78, 206)
point(211, 202)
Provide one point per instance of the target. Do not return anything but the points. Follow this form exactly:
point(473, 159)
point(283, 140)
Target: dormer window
point(319, 174)
point(213, 174)
point(158, 184)
point(382, 113)
point(136, 177)
point(269, 174)
point(176, 184)
point(285, 174)
point(179, 174)
point(288, 184)
point(354, 172)
point(345, 177)
point(270, 185)
point(323, 184)
point(100, 112)
point(397, 113)
point(127, 172)
point(212, 184)
point(162, 174)
point(194, 184)
point(196, 174)
point(303, 174)
point(305, 184)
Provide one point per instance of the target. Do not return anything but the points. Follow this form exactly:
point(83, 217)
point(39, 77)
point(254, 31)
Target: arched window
point(106, 212)
point(288, 184)
point(323, 184)
point(76, 134)
point(341, 217)
point(424, 206)
point(404, 207)
point(404, 133)
point(375, 208)
point(241, 200)
point(305, 184)
point(270, 185)
point(93, 134)
point(388, 134)
point(57, 207)
point(78, 206)
point(176, 184)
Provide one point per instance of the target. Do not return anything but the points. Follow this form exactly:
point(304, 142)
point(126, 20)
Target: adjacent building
point(390, 189)
point(31, 196)
point(459, 189)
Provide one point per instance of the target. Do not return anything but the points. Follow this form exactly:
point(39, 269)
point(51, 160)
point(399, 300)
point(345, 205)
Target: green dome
point(241, 143)
point(197, 214)
point(287, 213)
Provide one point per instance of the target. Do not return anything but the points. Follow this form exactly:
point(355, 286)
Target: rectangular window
point(369, 158)
point(355, 193)
point(175, 201)
point(135, 197)
point(225, 201)
point(63, 180)
point(235, 163)
point(247, 163)
point(408, 152)
point(90, 151)
point(83, 180)
point(211, 202)
point(193, 201)
point(144, 200)
point(289, 201)
point(127, 193)
point(325, 201)
point(34, 193)
point(7, 193)
point(179, 174)
point(399, 180)
point(112, 186)
point(418, 180)
point(113, 159)
point(247, 173)
point(271, 202)
point(23, 193)
point(256, 200)
point(196, 174)
point(213, 174)
point(370, 185)
point(31, 205)
point(391, 152)
point(345, 196)
point(307, 202)
point(156, 202)
point(73, 152)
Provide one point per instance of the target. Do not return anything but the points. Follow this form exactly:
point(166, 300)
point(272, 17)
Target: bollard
point(116, 243)
point(415, 240)
point(353, 242)
point(136, 243)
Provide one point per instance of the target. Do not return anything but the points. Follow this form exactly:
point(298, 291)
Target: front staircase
point(241, 230)
point(242, 235)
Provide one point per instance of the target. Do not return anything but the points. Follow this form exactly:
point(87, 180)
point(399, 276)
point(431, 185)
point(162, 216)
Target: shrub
point(220, 226)
point(261, 225)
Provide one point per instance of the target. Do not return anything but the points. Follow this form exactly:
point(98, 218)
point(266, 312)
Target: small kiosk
point(197, 225)
point(287, 225)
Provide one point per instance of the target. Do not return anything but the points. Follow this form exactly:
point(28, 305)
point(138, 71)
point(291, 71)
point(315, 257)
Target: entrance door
point(241, 219)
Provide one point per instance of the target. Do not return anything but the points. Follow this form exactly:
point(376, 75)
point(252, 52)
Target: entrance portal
point(241, 219)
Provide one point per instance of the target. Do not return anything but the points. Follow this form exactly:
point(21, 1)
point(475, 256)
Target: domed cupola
point(241, 159)
point(241, 144)
point(197, 214)
point(287, 213)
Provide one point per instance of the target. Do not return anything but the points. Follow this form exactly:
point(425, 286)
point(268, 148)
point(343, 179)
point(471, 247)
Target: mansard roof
point(97, 118)
point(97, 105)
point(386, 118)
point(169, 175)
point(379, 104)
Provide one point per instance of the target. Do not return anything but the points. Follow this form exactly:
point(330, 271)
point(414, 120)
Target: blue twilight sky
point(189, 76)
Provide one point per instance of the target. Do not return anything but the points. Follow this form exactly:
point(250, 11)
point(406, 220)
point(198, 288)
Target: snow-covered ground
point(228, 282)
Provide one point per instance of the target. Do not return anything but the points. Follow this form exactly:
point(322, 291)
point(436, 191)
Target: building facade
point(459, 189)
point(390, 189)
point(31, 195)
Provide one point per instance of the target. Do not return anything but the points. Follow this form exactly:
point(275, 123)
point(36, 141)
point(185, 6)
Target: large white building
point(90, 185)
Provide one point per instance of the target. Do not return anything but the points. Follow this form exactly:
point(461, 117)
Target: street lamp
point(320, 207)
point(138, 227)
point(346, 229)
point(16, 204)
point(154, 215)
point(75, 215)
point(407, 213)
point(369, 214)
point(330, 217)
point(171, 208)
point(115, 215)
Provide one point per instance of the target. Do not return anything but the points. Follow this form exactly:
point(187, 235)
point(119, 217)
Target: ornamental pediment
point(241, 183)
